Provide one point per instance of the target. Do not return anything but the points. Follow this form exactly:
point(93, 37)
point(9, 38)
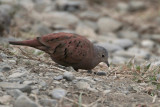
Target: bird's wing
point(69, 49)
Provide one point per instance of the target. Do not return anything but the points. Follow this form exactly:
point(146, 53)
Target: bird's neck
point(96, 59)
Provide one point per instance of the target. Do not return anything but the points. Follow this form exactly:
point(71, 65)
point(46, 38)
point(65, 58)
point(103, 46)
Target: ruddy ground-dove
point(69, 49)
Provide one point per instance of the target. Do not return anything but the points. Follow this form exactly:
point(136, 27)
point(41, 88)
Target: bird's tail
point(31, 43)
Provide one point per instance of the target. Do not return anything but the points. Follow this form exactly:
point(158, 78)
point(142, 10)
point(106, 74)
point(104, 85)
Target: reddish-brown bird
point(69, 49)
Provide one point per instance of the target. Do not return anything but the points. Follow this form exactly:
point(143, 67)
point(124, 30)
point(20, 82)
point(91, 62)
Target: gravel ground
point(129, 30)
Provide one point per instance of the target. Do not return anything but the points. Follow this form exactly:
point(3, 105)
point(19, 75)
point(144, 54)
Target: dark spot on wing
point(78, 43)
point(59, 45)
point(65, 53)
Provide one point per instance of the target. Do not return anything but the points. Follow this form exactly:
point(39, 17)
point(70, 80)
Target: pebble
point(59, 77)
point(110, 46)
point(90, 15)
point(133, 35)
point(68, 76)
point(15, 93)
point(5, 99)
point(5, 68)
point(17, 74)
point(158, 77)
point(136, 5)
point(156, 63)
point(58, 93)
point(101, 73)
point(60, 18)
point(148, 44)
point(70, 5)
point(124, 43)
point(122, 7)
point(24, 101)
point(119, 60)
point(22, 87)
point(107, 24)
point(82, 85)
point(85, 30)
point(48, 102)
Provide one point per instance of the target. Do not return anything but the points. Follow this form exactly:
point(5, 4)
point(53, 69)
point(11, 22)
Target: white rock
point(107, 24)
point(147, 44)
point(84, 30)
point(58, 93)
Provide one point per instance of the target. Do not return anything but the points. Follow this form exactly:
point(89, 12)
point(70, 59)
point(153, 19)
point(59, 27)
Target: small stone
point(158, 93)
point(155, 37)
point(48, 102)
point(60, 18)
point(147, 44)
point(41, 29)
point(28, 82)
point(158, 77)
point(60, 77)
point(5, 99)
point(68, 76)
point(17, 75)
point(106, 91)
point(119, 60)
point(5, 68)
point(129, 34)
point(136, 5)
point(24, 101)
point(91, 15)
point(71, 5)
point(101, 73)
point(58, 93)
point(22, 87)
point(14, 93)
point(85, 30)
point(82, 85)
point(156, 63)
point(107, 24)
point(124, 43)
point(122, 7)
point(110, 47)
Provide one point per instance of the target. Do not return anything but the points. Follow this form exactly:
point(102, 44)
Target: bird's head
point(102, 55)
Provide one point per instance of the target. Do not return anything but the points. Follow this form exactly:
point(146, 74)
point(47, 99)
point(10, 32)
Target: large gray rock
point(137, 52)
point(110, 47)
point(129, 34)
point(58, 18)
point(124, 43)
point(90, 15)
point(41, 29)
point(24, 101)
point(84, 30)
point(9, 85)
point(14, 93)
point(107, 24)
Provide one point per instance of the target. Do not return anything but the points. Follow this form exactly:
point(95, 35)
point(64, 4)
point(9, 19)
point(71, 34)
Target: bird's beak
point(107, 63)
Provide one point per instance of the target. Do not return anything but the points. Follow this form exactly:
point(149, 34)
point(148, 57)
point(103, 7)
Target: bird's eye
point(102, 55)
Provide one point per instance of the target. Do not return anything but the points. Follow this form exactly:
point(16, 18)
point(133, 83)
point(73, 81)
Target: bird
point(69, 49)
